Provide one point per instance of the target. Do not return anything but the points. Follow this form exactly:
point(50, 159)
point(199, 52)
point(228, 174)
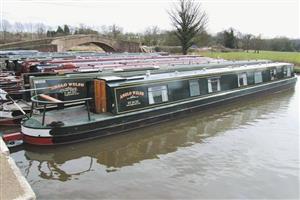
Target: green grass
point(297, 69)
point(292, 57)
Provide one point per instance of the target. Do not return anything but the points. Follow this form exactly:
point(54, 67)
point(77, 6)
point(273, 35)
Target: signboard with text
point(68, 88)
point(131, 98)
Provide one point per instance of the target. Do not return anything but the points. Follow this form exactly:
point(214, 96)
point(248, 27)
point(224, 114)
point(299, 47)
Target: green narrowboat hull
point(34, 133)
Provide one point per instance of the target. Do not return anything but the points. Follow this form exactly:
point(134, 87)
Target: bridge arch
point(66, 43)
point(102, 45)
point(63, 43)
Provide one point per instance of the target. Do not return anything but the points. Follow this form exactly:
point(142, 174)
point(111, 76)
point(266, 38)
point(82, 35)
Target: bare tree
point(103, 29)
point(19, 28)
point(246, 41)
point(40, 30)
point(115, 31)
point(188, 19)
point(151, 36)
point(29, 29)
point(5, 28)
point(257, 43)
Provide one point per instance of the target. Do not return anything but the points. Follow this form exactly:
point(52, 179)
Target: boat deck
point(71, 116)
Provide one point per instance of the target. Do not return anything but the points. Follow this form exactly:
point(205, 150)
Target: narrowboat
point(16, 103)
point(157, 141)
point(117, 104)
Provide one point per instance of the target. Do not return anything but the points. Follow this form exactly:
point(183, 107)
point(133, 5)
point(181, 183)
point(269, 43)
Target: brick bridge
point(60, 44)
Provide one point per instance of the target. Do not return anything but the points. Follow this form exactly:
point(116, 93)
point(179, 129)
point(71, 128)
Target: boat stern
point(36, 135)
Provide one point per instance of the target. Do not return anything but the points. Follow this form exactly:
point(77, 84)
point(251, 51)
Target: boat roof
point(155, 70)
point(116, 81)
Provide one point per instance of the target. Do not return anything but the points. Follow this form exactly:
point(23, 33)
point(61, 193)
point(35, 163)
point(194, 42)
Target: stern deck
point(71, 116)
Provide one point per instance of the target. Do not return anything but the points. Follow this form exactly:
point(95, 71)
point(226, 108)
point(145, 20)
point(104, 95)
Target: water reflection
point(112, 153)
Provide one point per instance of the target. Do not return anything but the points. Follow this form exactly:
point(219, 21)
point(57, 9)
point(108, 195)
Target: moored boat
point(37, 83)
point(118, 104)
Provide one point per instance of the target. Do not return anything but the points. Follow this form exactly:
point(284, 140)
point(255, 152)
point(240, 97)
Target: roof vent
point(148, 73)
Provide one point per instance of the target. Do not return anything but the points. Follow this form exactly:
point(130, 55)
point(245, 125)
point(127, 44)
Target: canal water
point(245, 149)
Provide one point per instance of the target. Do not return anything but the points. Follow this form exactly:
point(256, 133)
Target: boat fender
point(13, 139)
point(3, 95)
point(56, 124)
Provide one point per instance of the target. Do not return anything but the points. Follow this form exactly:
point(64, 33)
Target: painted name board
point(71, 88)
point(131, 98)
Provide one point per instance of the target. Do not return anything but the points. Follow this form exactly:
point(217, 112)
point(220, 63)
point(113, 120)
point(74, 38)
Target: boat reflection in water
point(67, 162)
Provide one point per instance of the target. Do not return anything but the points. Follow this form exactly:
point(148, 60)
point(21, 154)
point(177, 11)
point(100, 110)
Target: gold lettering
point(131, 93)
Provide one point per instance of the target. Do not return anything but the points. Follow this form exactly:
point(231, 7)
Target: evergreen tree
point(59, 31)
point(66, 29)
point(48, 34)
point(51, 33)
point(188, 20)
point(229, 39)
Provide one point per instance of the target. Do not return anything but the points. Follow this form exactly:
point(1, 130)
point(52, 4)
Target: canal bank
point(12, 183)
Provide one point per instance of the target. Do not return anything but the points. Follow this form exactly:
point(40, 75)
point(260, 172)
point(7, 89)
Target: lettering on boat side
point(132, 94)
point(133, 103)
point(63, 85)
point(131, 98)
point(70, 89)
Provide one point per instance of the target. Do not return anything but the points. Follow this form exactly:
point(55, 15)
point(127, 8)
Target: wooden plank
point(103, 95)
point(49, 98)
point(97, 96)
point(100, 96)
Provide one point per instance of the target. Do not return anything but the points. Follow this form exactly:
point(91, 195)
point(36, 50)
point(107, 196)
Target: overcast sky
point(270, 18)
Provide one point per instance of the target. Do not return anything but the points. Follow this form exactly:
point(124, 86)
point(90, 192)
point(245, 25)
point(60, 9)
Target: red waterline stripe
point(37, 140)
point(8, 122)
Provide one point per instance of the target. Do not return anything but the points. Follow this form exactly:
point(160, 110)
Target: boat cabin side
point(119, 95)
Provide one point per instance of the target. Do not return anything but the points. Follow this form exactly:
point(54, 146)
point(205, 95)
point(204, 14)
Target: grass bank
point(291, 57)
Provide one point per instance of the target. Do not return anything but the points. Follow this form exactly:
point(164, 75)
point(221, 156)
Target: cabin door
point(100, 96)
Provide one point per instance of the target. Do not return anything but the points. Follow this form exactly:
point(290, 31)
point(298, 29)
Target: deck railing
point(59, 103)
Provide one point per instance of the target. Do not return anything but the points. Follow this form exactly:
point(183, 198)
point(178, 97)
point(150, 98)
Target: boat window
point(287, 72)
point(250, 78)
point(194, 88)
point(257, 77)
point(273, 74)
point(157, 94)
point(203, 86)
point(229, 81)
point(178, 90)
point(214, 85)
point(279, 72)
point(242, 79)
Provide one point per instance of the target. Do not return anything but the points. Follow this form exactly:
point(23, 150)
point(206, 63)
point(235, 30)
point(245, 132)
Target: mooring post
point(44, 113)
point(32, 107)
point(88, 109)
